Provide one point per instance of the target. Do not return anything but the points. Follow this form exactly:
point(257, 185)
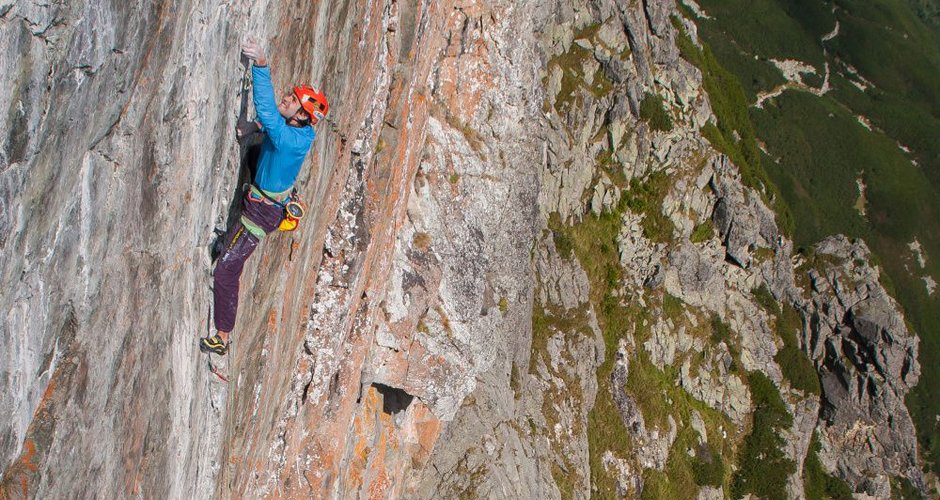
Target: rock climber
point(288, 135)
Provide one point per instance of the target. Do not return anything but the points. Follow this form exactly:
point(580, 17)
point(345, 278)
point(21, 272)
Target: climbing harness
point(292, 206)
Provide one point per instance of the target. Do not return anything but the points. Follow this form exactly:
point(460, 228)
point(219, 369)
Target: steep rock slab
point(107, 108)
point(867, 363)
point(429, 334)
point(121, 137)
point(321, 441)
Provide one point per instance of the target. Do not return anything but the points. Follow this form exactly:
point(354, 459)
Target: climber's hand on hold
point(252, 50)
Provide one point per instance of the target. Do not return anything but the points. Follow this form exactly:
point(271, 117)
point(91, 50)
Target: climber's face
point(289, 107)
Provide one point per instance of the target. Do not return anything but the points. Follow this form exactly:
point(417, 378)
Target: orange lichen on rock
point(465, 73)
point(20, 472)
point(272, 320)
point(427, 429)
point(27, 457)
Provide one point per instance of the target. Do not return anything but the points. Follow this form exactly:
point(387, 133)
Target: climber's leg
point(228, 271)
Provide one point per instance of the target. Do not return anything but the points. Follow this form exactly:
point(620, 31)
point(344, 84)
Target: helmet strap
point(297, 121)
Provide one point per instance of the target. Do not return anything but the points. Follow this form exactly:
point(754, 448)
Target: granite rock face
point(867, 363)
point(118, 161)
point(483, 195)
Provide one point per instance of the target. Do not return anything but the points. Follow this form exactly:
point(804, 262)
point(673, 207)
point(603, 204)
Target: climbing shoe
point(213, 344)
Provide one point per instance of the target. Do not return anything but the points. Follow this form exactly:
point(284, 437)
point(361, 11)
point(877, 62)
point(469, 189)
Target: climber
point(289, 134)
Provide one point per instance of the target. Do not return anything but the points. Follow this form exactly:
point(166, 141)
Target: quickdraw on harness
point(293, 210)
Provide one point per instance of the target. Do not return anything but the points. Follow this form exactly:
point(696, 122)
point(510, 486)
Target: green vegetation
point(646, 197)
point(547, 322)
point(883, 66)
point(708, 468)
point(672, 306)
point(891, 48)
point(762, 254)
point(593, 242)
point(563, 243)
point(684, 474)
point(703, 232)
point(690, 464)
point(928, 11)
point(573, 77)
point(772, 29)
point(613, 169)
point(766, 299)
point(903, 489)
point(734, 133)
point(653, 111)
point(797, 368)
point(762, 466)
point(817, 483)
point(514, 381)
point(721, 332)
point(823, 150)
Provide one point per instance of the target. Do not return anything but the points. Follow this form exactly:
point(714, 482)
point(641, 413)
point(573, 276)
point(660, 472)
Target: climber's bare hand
point(252, 50)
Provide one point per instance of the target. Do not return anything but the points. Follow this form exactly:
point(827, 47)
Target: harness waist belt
point(271, 198)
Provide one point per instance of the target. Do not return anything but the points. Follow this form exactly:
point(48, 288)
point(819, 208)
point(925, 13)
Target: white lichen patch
point(930, 284)
point(620, 469)
point(793, 70)
point(769, 95)
point(861, 202)
point(856, 79)
point(865, 122)
point(825, 86)
point(918, 252)
point(832, 34)
point(696, 9)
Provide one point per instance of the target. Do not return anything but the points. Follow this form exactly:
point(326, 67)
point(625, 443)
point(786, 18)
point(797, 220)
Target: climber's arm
point(263, 94)
point(266, 103)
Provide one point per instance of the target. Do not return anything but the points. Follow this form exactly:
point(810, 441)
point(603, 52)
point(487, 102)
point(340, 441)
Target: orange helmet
point(312, 101)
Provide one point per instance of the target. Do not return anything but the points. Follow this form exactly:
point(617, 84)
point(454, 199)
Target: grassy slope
point(822, 148)
point(592, 241)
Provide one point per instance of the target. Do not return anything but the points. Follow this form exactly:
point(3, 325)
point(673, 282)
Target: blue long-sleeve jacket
point(284, 147)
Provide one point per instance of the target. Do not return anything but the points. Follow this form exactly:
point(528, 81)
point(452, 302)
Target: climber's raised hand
point(252, 50)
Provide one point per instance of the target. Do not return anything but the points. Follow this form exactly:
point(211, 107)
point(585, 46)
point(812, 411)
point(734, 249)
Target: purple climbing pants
point(239, 245)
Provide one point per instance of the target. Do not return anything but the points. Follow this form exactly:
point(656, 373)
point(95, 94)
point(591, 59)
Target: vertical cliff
point(119, 160)
point(525, 274)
